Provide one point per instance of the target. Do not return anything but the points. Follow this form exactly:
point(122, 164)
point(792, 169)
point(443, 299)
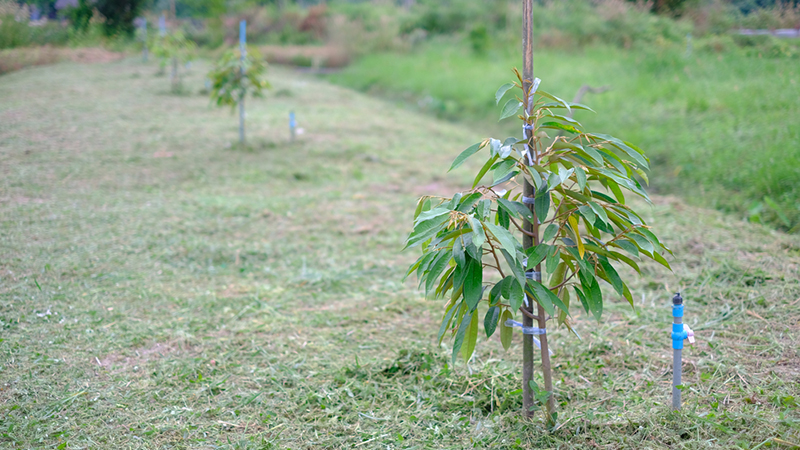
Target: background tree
point(119, 15)
point(234, 77)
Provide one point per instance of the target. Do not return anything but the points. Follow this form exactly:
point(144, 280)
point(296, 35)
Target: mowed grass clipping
point(161, 288)
point(721, 128)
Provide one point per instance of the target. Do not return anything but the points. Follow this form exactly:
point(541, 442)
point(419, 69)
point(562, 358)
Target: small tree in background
point(175, 47)
point(234, 77)
point(561, 189)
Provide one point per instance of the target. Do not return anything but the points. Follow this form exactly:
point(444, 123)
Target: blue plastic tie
point(529, 331)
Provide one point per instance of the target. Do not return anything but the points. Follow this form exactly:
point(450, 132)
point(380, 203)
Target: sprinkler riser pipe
point(678, 335)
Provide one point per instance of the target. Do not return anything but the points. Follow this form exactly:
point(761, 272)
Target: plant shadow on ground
point(216, 298)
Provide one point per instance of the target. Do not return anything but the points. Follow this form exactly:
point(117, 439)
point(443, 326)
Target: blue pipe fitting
point(678, 335)
point(677, 310)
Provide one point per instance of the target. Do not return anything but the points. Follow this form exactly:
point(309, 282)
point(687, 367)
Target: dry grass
point(20, 58)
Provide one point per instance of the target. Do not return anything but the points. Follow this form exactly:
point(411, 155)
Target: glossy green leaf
point(510, 108)
point(466, 203)
point(426, 230)
point(504, 237)
point(483, 170)
point(460, 334)
point(436, 268)
point(541, 205)
point(478, 234)
point(580, 177)
point(448, 317)
point(550, 232)
point(545, 297)
point(473, 284)
point(642, 242)
point(471, 337)
point(516, 209)
point(471, 150)
point(582, 298)
point(661, 260)
point(501, 91)
point(628, 246)
point(502, 169)
point(536, 254)
point(490, 320)
point(458, 252)
point(613, 276)
point(560, 126)
point(506, 332)
point(431, 214)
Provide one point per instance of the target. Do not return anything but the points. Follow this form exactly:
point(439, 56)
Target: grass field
point(720, 127)
point(160, 288)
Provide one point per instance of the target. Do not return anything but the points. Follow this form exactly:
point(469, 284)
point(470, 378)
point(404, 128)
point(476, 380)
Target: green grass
point(160, 288)
point(721, 129)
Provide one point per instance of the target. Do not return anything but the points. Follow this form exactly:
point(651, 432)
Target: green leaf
point(545, 297)
point(496, 292)
point(473, 284)
point(490, 320)
point(599, 211)
point(501, 91)
point(594, 297)
point(536, 254)
point(478, 235)
point(431, 214)
point(510, 108)
point(426, 230)
point(628, 246)
point(642, 242)
point(504, 237)
point(466, 203)
point(516, 267)
point(550, 232)
point(516, 209)
point(560, 126)
point(541, 204)
point(448, 317)
point(580, 176)
point(435, 269)
point(613, 276)
point(483, 170)
point(458, 252)
point(422, 204)
point(471, 337)
point(506, 332)
point(587, 212)
point(460, 334)
point(582, 297)
point(502, 170)
point(635, 155)
point(661, 260)
point(553, 258)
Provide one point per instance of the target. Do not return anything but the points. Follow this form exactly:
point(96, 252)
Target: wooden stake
point(533, 240)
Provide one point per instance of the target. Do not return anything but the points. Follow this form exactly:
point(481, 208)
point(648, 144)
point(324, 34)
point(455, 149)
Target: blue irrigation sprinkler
point(680, 332)
point(292, 125)
point(243, 53)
